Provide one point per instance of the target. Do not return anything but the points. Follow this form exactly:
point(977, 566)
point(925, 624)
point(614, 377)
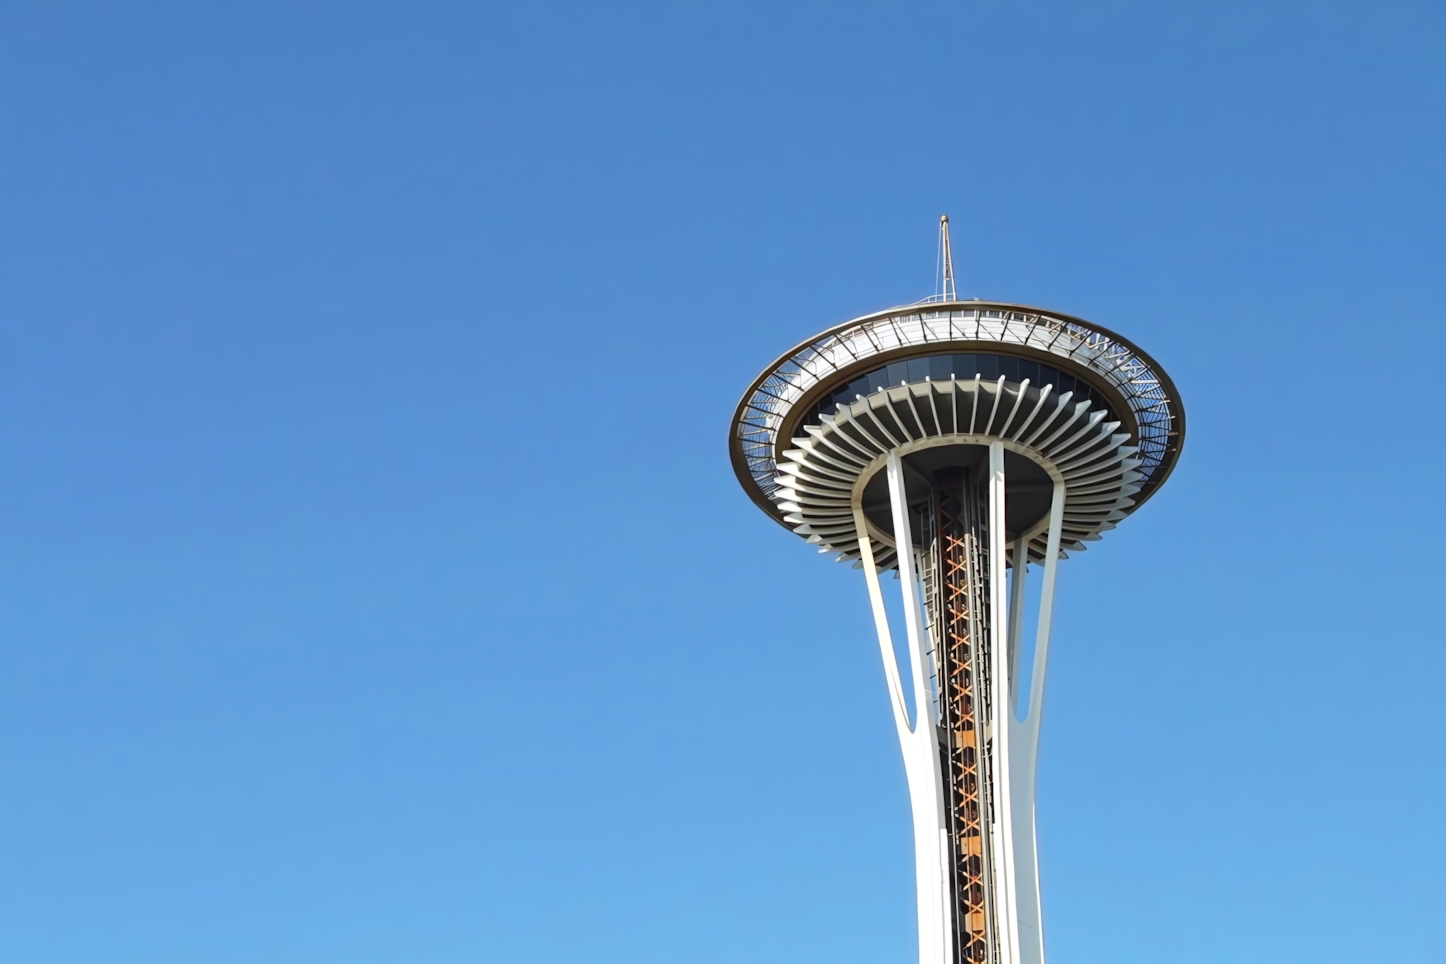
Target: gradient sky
point(374, 586)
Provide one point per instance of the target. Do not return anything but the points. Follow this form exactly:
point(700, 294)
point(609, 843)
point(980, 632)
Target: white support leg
point(1020, 567)
point(1000, 714)
point(886, 637)
point(1046, 616)
point(1026, 750)
point(918, 741)
point(926, 789)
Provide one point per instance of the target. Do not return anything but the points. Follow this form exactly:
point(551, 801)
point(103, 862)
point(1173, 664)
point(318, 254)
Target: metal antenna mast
point(949, 292)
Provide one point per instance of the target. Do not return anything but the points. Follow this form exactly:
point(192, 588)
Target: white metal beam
point(1026, 752)
point(1000, 714)
point(886, 637)
point(919, 741)
point(1016, 618)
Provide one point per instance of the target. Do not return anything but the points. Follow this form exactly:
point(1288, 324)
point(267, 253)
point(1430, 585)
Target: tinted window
point(963, 366)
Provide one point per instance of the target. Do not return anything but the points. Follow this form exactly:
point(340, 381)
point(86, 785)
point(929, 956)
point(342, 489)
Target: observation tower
point(960, 443)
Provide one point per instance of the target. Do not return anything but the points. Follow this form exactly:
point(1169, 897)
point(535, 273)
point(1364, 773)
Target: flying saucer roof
point(931, 342)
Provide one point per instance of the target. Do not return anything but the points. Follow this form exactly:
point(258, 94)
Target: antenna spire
point(946, 260)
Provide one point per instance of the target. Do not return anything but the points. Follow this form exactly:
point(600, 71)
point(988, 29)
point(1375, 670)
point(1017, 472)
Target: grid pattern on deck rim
point(936, 326)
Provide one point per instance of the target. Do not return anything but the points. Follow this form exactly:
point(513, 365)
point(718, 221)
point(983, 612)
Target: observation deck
point(1073, 401)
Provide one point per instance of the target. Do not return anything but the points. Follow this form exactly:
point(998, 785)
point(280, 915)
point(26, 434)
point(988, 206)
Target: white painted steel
point(1019, 564)
point(1000, 715)
point(946, 259)
point(926, 789)
point(1029, 912)
point(886, 643)
point(919, 740)
point(1046, 614)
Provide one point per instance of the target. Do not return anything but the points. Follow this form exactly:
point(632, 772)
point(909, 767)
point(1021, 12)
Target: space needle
point(961, 442)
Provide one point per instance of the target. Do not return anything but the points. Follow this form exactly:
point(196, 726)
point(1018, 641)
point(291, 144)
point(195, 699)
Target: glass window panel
point(964, 366)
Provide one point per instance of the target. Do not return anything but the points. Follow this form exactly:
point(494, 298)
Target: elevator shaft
point(956, 581)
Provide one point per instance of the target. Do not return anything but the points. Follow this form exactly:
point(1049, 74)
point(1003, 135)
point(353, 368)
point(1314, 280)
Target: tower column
point(968, 754)
point(942, 392)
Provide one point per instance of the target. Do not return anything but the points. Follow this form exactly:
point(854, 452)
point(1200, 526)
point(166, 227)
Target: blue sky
point(374, 586)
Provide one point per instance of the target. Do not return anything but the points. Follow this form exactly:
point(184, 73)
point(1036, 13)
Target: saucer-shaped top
point(1101, 384)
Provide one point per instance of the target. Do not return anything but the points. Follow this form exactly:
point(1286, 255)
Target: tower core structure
point(959, 443)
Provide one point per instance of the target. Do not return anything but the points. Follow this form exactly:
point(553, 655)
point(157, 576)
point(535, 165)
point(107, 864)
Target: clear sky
point(374, 586)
